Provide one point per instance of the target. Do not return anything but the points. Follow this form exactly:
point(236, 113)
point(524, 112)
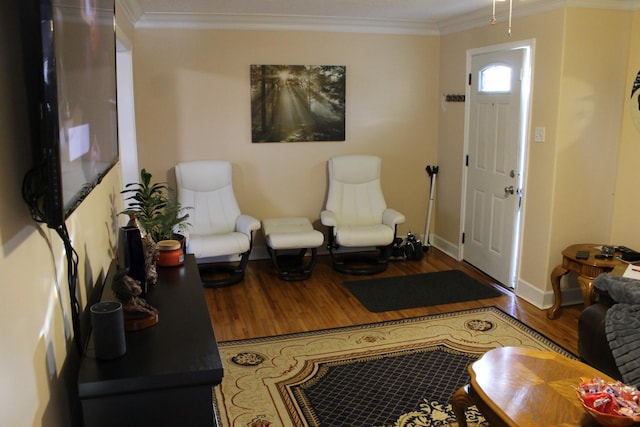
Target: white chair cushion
point(355, 194)
point(291, 233)
point(205, 246)
point(364, 235)
point(213, 212)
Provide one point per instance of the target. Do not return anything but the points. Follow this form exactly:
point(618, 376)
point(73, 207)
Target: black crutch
point(432, 171)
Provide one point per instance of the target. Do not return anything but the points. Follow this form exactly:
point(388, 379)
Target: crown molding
point(284, 23)
point(139, 19)
point(130, 9)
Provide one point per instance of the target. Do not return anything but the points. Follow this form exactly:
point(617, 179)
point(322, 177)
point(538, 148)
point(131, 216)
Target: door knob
point(509, 190)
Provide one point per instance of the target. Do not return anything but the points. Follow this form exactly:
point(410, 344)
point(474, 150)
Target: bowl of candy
point(610, 404)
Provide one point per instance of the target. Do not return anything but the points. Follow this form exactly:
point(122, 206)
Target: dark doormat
point(418, 290)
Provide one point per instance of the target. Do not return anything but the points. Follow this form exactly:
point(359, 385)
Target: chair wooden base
point(291, 265)
point(218, 275)
point(360, 264)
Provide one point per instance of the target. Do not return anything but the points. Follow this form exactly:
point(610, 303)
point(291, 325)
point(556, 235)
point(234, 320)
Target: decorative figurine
point(138, 314)
point(151, 255)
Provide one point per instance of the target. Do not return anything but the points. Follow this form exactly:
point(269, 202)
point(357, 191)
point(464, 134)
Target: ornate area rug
point(398, 373)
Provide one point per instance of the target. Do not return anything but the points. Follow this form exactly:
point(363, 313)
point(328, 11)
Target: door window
point(495, 78)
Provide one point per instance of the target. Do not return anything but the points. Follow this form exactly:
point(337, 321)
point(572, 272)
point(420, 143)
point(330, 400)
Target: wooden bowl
point(609, 420)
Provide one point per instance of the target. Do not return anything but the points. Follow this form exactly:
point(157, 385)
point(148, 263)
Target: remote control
point(582, 255)
point(625, 250)
point(630, 257)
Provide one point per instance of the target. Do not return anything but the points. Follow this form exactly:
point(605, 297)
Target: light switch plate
point(538, 135)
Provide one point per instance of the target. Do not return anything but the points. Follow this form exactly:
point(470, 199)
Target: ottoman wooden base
point(288, 240)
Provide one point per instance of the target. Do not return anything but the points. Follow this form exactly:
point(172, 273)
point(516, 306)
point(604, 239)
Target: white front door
point(493, 180)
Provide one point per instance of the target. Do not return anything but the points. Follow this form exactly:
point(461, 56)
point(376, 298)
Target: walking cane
point(432, 171)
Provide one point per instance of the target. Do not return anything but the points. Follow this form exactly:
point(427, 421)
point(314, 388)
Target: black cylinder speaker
point(131, 254)
point(107, 321)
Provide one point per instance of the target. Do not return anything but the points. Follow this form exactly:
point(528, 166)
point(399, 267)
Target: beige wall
point(34, 300)
point(589, 124)
point(35, 310)
point(627, 205)
point(193, 102)
point(578, 84)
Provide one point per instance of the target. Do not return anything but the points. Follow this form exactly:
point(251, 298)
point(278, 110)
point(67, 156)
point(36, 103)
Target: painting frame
point(298, 103)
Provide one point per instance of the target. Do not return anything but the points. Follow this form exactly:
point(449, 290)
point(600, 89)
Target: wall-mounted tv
point(70, 70)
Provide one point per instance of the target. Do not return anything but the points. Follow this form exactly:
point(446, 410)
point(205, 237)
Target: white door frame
point(525, 113)
point(128, 144)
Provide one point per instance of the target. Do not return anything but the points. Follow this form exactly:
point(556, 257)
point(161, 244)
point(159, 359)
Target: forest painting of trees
point(297, 103)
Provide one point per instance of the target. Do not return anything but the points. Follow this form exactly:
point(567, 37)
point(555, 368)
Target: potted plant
point(156, 207)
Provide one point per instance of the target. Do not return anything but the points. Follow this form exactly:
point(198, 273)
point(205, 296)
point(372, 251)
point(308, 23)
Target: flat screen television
point(70, 70)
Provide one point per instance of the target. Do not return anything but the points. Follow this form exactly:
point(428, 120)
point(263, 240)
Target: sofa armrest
point(593, 345)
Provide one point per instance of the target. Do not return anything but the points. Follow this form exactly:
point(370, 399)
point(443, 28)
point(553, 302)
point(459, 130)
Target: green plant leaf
point(156, 207)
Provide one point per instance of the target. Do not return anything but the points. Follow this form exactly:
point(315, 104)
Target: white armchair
point(357, 214)
point(218, 228)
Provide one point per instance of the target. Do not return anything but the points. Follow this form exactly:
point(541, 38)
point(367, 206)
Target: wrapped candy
point(609, 398)
point(601, 402)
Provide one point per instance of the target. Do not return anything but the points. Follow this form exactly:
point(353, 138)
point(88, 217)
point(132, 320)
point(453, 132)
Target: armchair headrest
point(355, 169)
point(204, 175)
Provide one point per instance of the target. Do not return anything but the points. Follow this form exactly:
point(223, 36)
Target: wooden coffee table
point(514, 386)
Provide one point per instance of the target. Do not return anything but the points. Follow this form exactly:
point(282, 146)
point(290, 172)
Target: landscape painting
point(297, 103)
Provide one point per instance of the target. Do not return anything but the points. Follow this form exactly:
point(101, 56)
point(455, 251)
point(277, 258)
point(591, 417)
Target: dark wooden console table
point(167, 374)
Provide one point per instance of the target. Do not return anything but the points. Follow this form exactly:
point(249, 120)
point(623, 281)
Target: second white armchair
point(357, 214)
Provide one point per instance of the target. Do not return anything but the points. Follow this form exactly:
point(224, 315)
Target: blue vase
point(131, 254)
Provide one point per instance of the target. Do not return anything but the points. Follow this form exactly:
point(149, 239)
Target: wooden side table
point(521, 387)
point(587, 269)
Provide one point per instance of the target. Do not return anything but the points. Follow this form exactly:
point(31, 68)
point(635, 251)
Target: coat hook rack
point(454, 98)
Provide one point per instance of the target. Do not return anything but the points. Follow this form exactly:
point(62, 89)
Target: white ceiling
point(404, 16)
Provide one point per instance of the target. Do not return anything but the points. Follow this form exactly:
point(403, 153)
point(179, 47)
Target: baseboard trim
point(445, 246)
point(545, 299)
point(525, 290)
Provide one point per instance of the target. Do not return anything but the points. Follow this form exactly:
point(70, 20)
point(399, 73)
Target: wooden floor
point(264, 305)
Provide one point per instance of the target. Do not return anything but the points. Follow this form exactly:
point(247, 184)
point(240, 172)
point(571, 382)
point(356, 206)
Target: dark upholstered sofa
point(609, 331)
point(593, 346)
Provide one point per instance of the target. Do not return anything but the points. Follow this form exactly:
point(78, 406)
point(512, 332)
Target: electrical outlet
point(538, 135)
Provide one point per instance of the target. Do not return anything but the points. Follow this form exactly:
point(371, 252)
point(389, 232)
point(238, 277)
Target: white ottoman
point(288, 240)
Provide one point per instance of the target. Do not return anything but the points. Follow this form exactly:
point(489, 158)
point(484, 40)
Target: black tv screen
point(71, 81)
